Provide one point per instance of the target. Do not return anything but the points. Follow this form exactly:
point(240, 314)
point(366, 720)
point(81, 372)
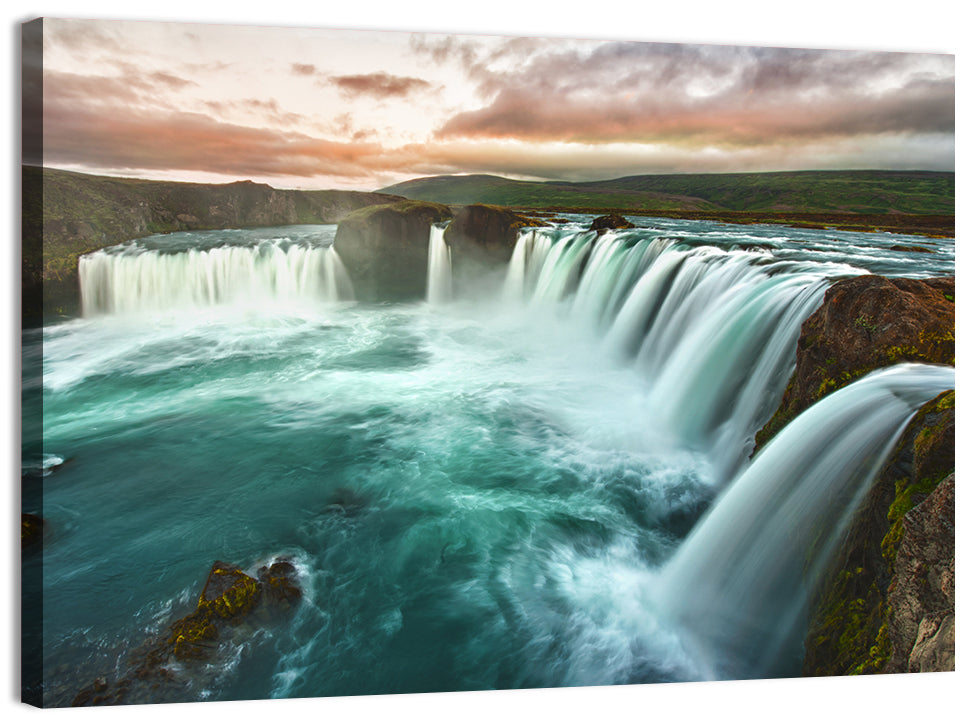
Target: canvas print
point(379, 362)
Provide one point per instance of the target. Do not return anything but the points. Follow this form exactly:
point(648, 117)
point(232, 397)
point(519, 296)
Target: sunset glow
point(300, 107)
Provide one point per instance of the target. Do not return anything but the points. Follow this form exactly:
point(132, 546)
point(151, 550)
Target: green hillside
point(845, 191)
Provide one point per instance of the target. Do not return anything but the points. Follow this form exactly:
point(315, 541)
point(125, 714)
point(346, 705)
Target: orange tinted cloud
point(531, 107)
point(379, 85)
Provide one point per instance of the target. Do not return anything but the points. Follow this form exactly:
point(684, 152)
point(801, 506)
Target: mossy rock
point(852, 629)
point(229, 592)
point(231, 607)
point(866, 323)
point(613, 221)
point(31, 529)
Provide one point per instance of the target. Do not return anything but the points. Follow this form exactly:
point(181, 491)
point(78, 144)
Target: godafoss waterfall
point(544, 479)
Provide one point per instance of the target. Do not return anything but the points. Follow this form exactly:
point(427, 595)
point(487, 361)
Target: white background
point(918, 26)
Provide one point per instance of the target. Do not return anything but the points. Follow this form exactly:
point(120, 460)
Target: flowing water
point(543, 486)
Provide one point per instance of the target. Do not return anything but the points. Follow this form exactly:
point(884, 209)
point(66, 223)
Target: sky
point(300, 107)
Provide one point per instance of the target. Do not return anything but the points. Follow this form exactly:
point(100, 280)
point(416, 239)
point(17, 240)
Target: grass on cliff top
point(402, 207)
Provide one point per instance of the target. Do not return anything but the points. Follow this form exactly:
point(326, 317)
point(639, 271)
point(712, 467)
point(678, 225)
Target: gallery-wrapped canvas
point(379, 362)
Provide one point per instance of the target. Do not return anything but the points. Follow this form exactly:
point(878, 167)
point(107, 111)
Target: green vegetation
point(851, 627)
point(875, 192)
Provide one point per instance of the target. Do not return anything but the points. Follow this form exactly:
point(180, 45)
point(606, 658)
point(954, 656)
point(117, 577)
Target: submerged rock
point(385, 248)
point(31, 529)
point(231, 608)
point(610, 222)
point(866, 323)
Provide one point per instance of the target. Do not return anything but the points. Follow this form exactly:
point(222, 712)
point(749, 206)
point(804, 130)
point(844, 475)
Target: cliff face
point(886, 602)
point(895, 568)
point(68, 214)
point(385, 249)
point(486, 234)
point(866, 323)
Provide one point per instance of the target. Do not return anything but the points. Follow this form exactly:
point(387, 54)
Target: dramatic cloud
point(379, 85)
point(698, 95)
point(366, 109)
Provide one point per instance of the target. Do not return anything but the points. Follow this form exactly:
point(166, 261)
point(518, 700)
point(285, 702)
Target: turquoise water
point(477, 494)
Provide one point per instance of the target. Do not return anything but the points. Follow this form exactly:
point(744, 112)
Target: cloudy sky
point(299, 107)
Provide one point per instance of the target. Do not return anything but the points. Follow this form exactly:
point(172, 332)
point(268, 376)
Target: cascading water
point(712, 332)
point(439, 283)
point(495, 494)
point(133, 278)
point(738, 587)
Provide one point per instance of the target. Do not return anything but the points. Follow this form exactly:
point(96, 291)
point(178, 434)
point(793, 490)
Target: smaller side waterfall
point(439, 283)
point(130, 278)
point(738, 587)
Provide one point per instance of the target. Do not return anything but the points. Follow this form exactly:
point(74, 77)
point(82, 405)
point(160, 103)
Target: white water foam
point(740, 583)
point(131, 279)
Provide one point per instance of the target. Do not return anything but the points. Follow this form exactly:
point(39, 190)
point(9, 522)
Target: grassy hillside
point(845, 191)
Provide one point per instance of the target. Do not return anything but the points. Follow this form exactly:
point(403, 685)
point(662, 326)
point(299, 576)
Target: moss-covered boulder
point(31, 529)
point(385, 248)
point(486, 234)
point(866, 323)
point(864, 619)
point(231, 607)
point(610, 222)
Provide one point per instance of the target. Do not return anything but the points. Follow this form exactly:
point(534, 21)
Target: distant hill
point(817, 191)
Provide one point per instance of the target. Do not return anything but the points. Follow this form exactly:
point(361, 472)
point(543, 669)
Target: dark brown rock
point(385, 249)
point(866, 323)
point(31, 529)
point(610, 222)
point(279, 583)
point(486, 234)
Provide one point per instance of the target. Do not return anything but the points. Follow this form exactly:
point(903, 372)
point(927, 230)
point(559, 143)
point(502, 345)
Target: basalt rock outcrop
point(486, 234)
point(886, 602)
point(385, 249)
point(866, 323)
point(68, 214)
point(231, 608)
point(921, 593)
point(890, 588)
point(610, 222)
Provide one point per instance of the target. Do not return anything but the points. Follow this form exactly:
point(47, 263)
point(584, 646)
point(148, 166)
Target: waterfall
point(439, 285)
point(131, 278)
point(712, 332)
point(739, 584)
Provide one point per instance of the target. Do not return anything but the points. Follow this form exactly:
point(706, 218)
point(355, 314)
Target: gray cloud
point(698, 95)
